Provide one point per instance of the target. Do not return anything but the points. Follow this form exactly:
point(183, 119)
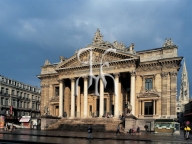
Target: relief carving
point(164, 74)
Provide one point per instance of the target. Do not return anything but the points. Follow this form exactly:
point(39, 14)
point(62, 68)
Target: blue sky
point(32, 31)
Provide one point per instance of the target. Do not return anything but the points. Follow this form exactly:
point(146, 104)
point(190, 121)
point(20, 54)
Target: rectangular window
point(6, 102)
point(14, 103)
point(148, 108)
point(13, 92)
point(148, 84)
point(2, 101)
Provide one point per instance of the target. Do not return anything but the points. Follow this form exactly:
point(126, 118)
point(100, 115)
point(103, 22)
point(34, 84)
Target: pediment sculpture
point(47, 63)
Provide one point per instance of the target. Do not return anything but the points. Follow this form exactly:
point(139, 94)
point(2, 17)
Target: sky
point(32, 31)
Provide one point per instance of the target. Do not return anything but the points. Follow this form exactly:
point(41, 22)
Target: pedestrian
point(187, 129)
point(89, 130)
point(146, 128)
point(11, 128)
point(138, 130)
point(6, 127)
point(118, 130)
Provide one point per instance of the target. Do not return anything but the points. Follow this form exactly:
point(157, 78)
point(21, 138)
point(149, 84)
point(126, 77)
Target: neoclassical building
point(102, 77)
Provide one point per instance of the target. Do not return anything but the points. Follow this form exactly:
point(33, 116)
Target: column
point(120, 99)
point(133, 92)
point(116, 114)
point(154, 107)
point(60, 98)
point(78, 102)
point(143, 107)
point(140, 108)
point(108, 104)
point(72, 98)
point(85, 96)
point(101, 99)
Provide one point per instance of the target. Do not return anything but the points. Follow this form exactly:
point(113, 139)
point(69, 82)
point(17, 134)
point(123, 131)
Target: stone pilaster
point(173, 93)
point(164, 94)
point(154, 110)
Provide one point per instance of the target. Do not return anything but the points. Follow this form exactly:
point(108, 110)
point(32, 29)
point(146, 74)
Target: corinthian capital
point(164, 74)
point(173, 74)
point(116, 74)
point(60, 80)
point(133, 73)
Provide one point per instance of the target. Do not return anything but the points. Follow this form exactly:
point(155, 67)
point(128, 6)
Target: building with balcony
point(18, 99)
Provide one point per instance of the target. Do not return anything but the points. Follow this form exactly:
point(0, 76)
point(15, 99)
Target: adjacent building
point(147, 79)
point(184, 96)
point(18, 99)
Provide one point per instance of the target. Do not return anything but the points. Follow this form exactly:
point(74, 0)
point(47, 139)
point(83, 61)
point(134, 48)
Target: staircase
point(81, 124)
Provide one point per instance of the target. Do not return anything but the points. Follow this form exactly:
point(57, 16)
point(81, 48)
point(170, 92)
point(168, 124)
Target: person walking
point(89, 130)
point(146, 128)
point(187, 129)
point(118, 130)
point(138, 130)
point(11, 127)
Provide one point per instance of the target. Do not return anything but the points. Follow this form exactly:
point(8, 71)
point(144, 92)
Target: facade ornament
point(62, 58)
point(47, 63)
point(46, 110)
point(120, 45)
point(98, 38)
point(116, 74)
point(168, 42)
point(133, 73)
point(164, 74)
point(128, 106)
point(173, 74)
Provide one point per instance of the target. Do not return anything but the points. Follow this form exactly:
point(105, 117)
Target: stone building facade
point(18, 99)
point(147, 79)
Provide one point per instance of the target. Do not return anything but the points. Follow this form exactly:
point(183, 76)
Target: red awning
point(24, 120)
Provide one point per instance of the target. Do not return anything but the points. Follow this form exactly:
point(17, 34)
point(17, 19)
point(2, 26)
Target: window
point(14, 103)
point(2, 89)
point(33, 106)
point(6, 102)
point(7, 91)
point(13, 92)
point(56, 91)
point(148, 108)
point(2, 101)
point(148, 84)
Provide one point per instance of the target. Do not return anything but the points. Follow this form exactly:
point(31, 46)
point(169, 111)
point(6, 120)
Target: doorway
point(148, 108)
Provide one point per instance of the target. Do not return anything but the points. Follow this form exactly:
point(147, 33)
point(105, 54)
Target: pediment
point(97, 54)
point(149, 94)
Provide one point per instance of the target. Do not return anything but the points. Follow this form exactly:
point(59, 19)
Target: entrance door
point(148, 108)
point(56, 110)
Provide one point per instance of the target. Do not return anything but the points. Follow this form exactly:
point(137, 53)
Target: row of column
point(101, 109)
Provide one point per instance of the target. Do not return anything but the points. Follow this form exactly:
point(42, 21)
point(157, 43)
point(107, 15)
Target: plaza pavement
point(148, 137)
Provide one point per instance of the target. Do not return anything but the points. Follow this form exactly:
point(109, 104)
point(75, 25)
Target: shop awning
point(24, 120)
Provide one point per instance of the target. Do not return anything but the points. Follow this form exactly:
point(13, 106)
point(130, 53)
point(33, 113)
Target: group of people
point(107, 116)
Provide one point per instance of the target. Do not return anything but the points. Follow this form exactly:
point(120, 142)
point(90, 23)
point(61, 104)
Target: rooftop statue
point(47, 63)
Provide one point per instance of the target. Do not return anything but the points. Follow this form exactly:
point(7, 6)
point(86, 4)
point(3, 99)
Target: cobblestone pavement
point(145, 137)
